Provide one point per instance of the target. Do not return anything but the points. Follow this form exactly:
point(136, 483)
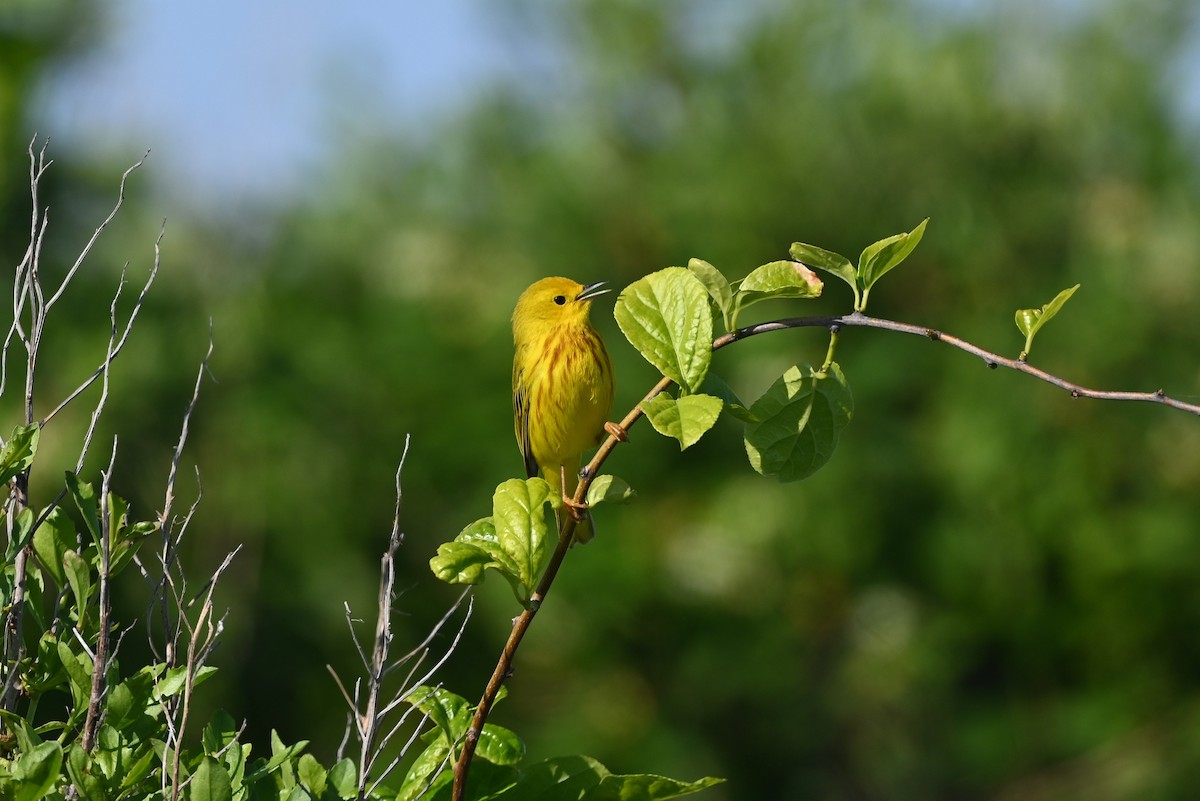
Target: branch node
point(934, 334)
point(992, 365)
point(1159, 393)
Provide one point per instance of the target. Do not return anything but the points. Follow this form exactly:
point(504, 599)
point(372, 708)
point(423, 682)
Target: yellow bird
point(562, 384)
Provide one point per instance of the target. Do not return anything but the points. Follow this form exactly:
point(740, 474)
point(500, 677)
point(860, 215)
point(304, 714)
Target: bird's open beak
point(593, 290)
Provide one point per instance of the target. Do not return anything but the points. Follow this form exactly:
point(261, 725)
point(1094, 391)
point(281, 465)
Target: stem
point(834, 324)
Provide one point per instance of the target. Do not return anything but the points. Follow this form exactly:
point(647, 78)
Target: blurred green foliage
point(991, 590)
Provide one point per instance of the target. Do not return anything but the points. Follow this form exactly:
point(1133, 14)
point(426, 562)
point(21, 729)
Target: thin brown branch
point(992, 360)
point(115, 349)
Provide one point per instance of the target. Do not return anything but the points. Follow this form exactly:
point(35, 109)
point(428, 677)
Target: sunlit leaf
point(19, 451)
point(686, 418)
point(500, 746)
point(53, 538)
point(210, 782)
point(1030, 321)
point(879, 258)
point(36, 771)
point(647, 787)
point(717, 285)
point(826, 260)
point(609, 489)
point(522, 529)
point(667, 318)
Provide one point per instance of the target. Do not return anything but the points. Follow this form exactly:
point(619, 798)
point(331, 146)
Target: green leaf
point(19, 451)
point(666, 317)
point(36, 771)
point(826, 260)
point(451, 713)
point(473, 551)
point(79, 770)
point(717, 286)
point(219, 733)
point(609, 489)
point(782, 279)
point(801, 417)
point(311, 774)
point(716, 386)
point(880, 257)
point(53, 538)
point(79, 577)
point(343, 778)
point(420, 782)
point(686, 418)
point(173, 682)
point(647, 787)
point(500, 746)
point(519, 511)
point(1030, 321)
point(210, 782)
point(79, 674)
point(281, 755)
point(21, 534)
point(84, 495)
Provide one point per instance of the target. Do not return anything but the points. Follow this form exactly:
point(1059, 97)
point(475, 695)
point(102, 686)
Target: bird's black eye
point(560, 299)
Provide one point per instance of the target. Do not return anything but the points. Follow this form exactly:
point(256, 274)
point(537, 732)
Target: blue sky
point(243, 99)
point(234, 97)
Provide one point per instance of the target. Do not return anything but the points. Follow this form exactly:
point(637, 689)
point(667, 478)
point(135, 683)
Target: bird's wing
point(521, 416)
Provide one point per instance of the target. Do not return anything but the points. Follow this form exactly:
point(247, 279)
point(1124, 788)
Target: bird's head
point(555, 302)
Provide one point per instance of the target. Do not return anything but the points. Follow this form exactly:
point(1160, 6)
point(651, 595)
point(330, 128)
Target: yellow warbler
point(562, 383)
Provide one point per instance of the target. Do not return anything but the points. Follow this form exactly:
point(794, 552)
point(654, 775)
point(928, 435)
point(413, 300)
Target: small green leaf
point(420, 781)
point(312, 776)
point(174, 680)
point(783, 279)
point(826, 260)
point(210, 782)
point(36, 771)
point(79, 674)
point(1030, 321)
point(801, 417)
point(79, 577)
point(647, 787)
point(449, 712)
point(609, 489)
point(716, 386)
point(82, 775)
point(500, 746)
point(474, 550)
point(84, 495)
point(53, 538)
point(686, 418)
point(879, 258)
point(779, 279)
point(22, 532)
point(219, 733)
point(343, 778)
point(666, 317)
point(717, 286)
point(19, 451)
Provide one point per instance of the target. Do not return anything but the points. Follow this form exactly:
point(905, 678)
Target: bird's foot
point(617, 431)
point(577, 509)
